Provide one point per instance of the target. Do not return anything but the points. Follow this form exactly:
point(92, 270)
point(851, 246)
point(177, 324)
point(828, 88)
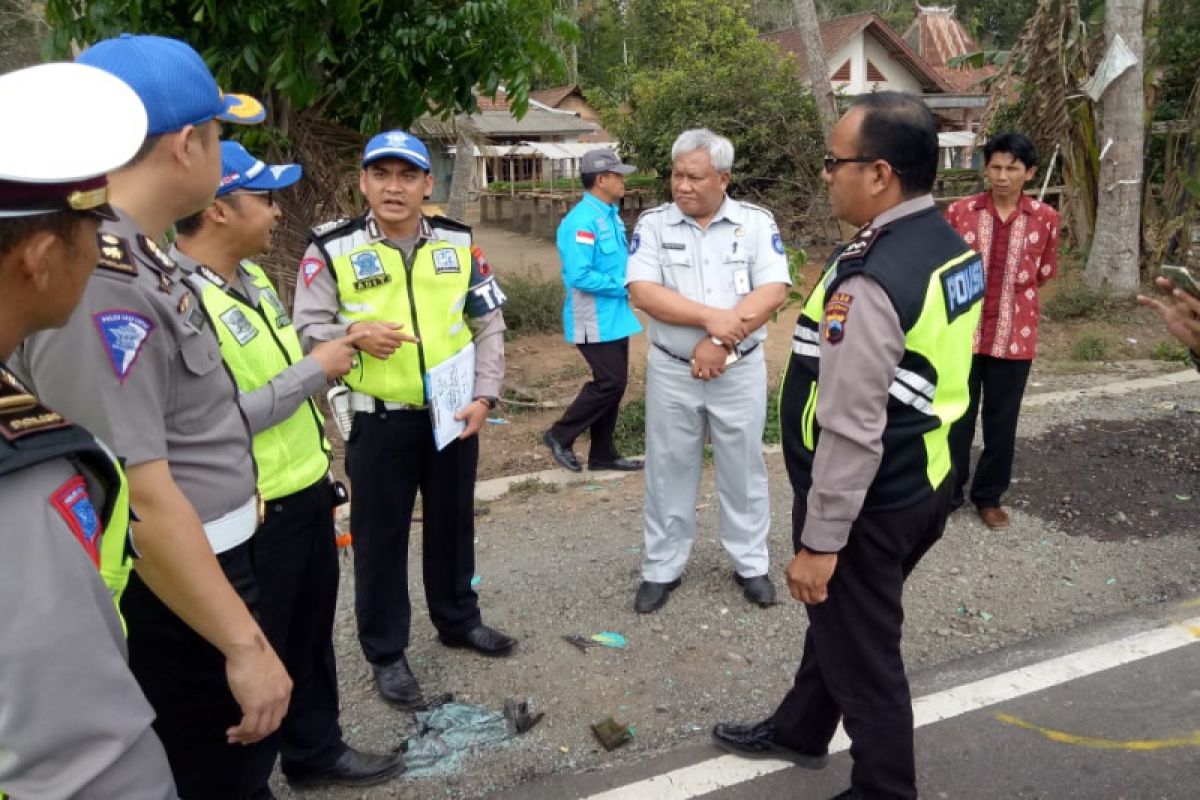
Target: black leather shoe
point(564, 456)
point(484, 640)
point(618, 465)
point(758, 741)
point(353, 768)
point(397, 686)
point(757, 589)
point(653, 596)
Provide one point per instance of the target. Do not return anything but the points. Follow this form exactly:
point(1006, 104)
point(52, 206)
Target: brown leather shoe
point(994, 517)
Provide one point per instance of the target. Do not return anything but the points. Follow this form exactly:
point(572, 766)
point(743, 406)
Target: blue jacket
point(593, 250)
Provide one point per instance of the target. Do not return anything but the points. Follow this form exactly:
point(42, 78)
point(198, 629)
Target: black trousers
point(183, 677)
point(851, 668)
point(389, 457)
point(599, 400)
point(295, 559)
point(1000, 383)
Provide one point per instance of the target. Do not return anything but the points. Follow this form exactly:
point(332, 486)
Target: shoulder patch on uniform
point(860, 246)
point(585, 237)
point(635, 242)
point(962, 287)
point(837, 310)
point(156, 253)
point(309, 268)
point(485, 268)
point(74, 505)
point(777, 242)
point(114, 254)
point(326, 228)
point(123, 334)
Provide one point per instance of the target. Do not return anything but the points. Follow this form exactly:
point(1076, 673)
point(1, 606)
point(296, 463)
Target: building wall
point(858, 50)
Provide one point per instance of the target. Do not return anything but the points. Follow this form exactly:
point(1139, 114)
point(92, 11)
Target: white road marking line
point(724, 771)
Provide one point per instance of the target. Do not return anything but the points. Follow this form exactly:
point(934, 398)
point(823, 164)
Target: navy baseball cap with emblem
point(396, 144)
point(57, 159)
point(173, 82)
point(242, 171)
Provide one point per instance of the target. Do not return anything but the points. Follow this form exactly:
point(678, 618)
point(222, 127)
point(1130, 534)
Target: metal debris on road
point(520, 718)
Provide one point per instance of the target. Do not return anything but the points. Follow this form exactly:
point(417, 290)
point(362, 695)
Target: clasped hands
point(729, 328)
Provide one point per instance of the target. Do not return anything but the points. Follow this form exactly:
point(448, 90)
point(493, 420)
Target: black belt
point(688, 361)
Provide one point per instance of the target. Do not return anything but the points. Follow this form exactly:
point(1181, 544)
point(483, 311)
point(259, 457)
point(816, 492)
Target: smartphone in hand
point(1182, 278)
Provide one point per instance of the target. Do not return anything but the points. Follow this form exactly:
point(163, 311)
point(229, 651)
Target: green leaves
point(369, 62)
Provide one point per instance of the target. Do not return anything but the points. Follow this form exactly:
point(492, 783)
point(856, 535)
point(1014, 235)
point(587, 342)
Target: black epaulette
point(440, 221)
point(860, 245)
point(115, 255)
point(31, 434)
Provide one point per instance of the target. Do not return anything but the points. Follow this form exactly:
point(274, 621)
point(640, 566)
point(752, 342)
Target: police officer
point(419, 292)
point(878, 373)
point(294, 555)
point(72, 718)
point(596, 314)
point(710, 271)
point(139, 364)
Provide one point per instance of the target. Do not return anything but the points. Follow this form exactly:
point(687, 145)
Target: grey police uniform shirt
point(317, 309)
point(73, 721)
point(718, 266)
point(139, 365)
point(278, 399)
point(856, 372)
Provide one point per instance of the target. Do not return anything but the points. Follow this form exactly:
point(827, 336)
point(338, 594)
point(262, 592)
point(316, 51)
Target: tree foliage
point(368, 64)
point(720, 76)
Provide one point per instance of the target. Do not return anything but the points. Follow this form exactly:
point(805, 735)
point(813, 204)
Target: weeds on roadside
point(534, 305)
point(1090, 348)
point(524, 489)
point(1169, 351)
point(1077, 300)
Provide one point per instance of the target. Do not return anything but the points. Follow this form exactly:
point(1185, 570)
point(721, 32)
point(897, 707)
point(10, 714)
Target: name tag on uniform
point(741, 281)
point(674, 246)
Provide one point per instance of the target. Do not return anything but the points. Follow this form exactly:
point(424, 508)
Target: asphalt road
point(1125, 731)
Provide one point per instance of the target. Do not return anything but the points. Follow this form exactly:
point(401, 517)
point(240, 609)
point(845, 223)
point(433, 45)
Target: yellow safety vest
point(426, 297)
point(258, 343)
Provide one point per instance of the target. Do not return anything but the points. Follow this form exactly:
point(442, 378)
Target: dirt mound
point(1114, 479)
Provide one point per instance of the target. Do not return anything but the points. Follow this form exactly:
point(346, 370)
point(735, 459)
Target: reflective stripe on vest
point(427, 298)
point(934, 344)
point(258, 343)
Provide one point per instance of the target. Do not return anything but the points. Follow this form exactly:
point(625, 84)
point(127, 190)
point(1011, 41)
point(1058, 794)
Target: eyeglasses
point(832, 162)
point(268, 194)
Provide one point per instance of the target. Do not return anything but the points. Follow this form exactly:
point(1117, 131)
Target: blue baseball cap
point(396, 144)
point(240, 170)
point(173, 82)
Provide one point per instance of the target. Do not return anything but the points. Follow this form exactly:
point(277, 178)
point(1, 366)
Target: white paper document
point(450, 386)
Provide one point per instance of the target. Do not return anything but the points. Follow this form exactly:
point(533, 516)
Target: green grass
point(1169, 351)
point(1090, 348)
point(1077, 300)
point(534, 305)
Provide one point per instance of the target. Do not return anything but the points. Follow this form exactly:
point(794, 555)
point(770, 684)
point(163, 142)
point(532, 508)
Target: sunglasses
point(832, 162)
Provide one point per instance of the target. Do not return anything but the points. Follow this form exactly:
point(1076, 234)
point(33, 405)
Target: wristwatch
point(490, 402)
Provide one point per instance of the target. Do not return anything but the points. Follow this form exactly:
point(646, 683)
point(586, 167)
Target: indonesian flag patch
point(585, 237)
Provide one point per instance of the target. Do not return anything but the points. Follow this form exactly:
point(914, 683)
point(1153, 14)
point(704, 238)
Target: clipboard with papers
point(450, 387)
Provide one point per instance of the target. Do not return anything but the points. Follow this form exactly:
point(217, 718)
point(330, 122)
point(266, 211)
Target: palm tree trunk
point(1113, 261)
point(818, 67)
